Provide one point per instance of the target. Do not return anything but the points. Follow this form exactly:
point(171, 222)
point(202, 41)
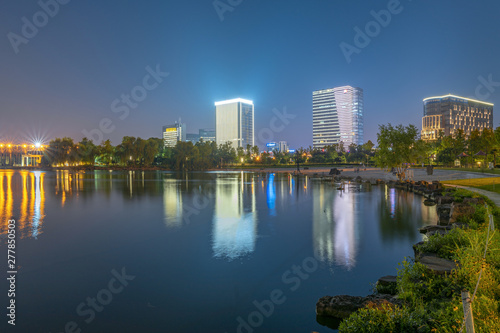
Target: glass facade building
point(338, 116)
point(450, 113)
point(234, 122)
point(207, 134)
point(173, 133)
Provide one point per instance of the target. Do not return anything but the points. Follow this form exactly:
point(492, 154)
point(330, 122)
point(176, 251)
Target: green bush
point(432, 303)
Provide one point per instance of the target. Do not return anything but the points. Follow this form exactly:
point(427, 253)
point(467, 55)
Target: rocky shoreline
point(450, 212)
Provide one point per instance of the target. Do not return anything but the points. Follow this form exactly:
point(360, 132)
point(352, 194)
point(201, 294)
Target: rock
point(434, 228)
point(416, 249)
point(444, 213)
point(343, 306)
point(437, 265)
point(387, 280)
point(444, 200)
point(429, 202)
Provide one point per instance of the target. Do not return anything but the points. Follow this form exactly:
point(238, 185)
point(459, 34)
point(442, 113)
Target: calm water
point(201, 252)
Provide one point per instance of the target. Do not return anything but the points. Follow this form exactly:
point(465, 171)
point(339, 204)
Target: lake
point(195, 252)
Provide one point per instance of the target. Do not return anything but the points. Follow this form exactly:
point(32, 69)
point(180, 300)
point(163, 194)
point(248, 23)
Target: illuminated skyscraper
point(338, 116)
point(174, 133)
point(449, 113)
point(234, 122)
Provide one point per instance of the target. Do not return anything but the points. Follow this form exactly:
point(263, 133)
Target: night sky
point(65, 77)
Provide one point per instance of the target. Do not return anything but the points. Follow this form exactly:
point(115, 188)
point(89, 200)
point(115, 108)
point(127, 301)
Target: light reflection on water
point(22, 197)
point(222, 238)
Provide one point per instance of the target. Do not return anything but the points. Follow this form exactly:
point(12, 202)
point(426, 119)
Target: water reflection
point(334, 226)
point(271, 195)
point(22, 197)
point(172, 202)
point(401, 213)
point(234, 230)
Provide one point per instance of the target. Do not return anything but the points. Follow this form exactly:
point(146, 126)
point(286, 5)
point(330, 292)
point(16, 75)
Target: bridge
point(21, 154)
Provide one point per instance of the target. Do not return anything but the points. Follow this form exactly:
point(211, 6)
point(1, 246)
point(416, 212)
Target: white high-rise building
point(234, 122)
point(338, 116)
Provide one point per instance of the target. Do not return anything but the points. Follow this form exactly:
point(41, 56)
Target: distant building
point(338, 116)
point(450, 113)
point(281, 147)
point(173, 133)
point(207, 134)
point(192, 138)
point(234, 122)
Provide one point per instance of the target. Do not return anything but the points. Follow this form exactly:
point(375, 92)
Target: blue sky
point(65, 78)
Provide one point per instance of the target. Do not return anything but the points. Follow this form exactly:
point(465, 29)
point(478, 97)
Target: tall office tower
point(174, 133)
point(234, 122)
point(450, 113)
point(338, 116)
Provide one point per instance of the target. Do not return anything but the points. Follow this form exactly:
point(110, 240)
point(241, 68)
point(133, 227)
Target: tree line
point(397, 146)
point(400, 145)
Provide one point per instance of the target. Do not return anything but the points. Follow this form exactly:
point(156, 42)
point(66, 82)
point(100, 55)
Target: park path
point(495, 197)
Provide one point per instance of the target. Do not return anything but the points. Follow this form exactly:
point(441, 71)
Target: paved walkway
point(375, 173)
point(495, 197)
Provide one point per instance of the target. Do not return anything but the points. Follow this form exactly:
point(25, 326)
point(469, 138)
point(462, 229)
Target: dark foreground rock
point(343, 306)
point(437, 265)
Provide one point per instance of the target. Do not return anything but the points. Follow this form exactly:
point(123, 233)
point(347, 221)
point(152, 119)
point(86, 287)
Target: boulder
point(437, 265)
point(343, 306)
point(444, 200)
point(434, 228)
point(387, 280)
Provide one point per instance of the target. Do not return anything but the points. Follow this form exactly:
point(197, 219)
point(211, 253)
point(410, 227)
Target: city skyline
point(62, 83)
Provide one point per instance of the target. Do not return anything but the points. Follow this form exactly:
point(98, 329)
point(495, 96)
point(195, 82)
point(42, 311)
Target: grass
point(432, 303)
point(489, 184)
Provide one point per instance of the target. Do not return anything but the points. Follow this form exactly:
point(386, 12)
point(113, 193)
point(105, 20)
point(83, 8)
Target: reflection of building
point(234, 122)
point(172, 202)
point(334, 227)
point(235, 217)
point(450, 113)
point(174, 133)
point(338, 116)
point(29, 188)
